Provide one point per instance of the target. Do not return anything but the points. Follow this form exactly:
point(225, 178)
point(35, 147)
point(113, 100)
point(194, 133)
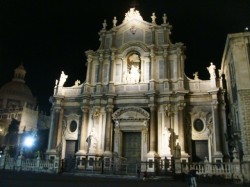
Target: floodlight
point(28, 141)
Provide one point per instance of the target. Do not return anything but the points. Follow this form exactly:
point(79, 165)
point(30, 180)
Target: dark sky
point(49, 36)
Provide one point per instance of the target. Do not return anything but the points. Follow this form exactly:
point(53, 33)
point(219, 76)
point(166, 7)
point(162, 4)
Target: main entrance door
point(132, 149)
point(200, 150)
point(69, 161)
point(71, 146)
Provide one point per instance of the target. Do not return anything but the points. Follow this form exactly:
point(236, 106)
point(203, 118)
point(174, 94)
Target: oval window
point(198, 125)
point(73, 126)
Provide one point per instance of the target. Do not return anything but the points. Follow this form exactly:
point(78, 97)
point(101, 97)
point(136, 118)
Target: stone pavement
point(28, 179)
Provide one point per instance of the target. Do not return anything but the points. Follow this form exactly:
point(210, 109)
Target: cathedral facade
point(136, 101)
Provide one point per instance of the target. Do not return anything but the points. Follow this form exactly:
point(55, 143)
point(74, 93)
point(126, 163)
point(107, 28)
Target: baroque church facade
point(137, 103)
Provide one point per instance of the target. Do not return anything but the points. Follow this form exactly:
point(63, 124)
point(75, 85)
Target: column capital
point(85, 109)
point(109, 108)
point(181, 105)
point(152, 107)
point(57, 108)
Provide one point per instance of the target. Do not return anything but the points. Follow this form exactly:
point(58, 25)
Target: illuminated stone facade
point(235, 73)
point(135, 83)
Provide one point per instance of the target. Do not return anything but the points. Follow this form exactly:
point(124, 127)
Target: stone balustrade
point(36, 165)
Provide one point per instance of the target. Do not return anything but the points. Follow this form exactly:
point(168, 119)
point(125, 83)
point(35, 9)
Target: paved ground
point(21, 179)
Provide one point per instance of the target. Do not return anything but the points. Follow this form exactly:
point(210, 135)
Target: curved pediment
point(130, 113)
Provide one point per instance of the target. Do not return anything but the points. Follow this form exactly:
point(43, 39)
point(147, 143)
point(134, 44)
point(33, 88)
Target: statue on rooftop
point(63, 79)
point(211, 70)
point(153, 18)
point(164, 18)
point(104, 24)
point(114, 22)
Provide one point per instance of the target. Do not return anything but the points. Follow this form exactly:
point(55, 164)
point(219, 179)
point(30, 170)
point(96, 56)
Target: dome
point(17, 91)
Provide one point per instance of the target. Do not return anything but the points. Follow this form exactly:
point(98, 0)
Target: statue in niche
point(133, 68)
point(92, 142)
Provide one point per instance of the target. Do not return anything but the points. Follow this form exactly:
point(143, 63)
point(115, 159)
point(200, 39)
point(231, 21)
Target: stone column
point(56, 124)
point(181, 131)
point(108, 131)
point(117, 140)
point(224, 130)
point(53, 129)
point(152, 62)
point(180, 64)
point(89, 60)
point(153, 35)
point(114, 38)
point(142, 71)
point(59, 133)
point(84, 129)
point(153, 130)
point(165, 55)
point(111, 73)
point(100, 68)
point(216, 131)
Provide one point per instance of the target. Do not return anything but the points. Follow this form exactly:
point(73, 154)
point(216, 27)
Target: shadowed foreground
point(28, 179)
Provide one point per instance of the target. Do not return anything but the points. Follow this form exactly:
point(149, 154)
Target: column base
point(246, 171)
point(218, 157)
point(246, 158)
point(152, 154)
point(184, 156)
point(80, 152)
point(51, 154)
point(107, 154)
point(178, 165)
point(151, 159)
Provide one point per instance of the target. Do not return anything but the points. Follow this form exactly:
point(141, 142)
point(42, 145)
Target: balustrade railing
point(36, 165)
point(119, 165)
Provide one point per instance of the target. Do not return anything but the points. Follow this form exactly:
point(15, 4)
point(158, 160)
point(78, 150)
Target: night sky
point(49, 36)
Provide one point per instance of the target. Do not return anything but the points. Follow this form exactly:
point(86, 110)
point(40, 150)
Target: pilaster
point(108, 131)
point(83, 136)
point(217, 154)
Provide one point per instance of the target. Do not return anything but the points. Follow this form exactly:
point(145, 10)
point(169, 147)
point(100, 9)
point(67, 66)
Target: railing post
point(207, 166)
point(38, 159)
point(236, 167)
point(19, 161)
point(3, 160)
point(178, 165)
point(56, 164)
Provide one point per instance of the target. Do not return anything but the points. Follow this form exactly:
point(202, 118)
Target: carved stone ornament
point(133, 29)
point(96, 113)
point(132, 14)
